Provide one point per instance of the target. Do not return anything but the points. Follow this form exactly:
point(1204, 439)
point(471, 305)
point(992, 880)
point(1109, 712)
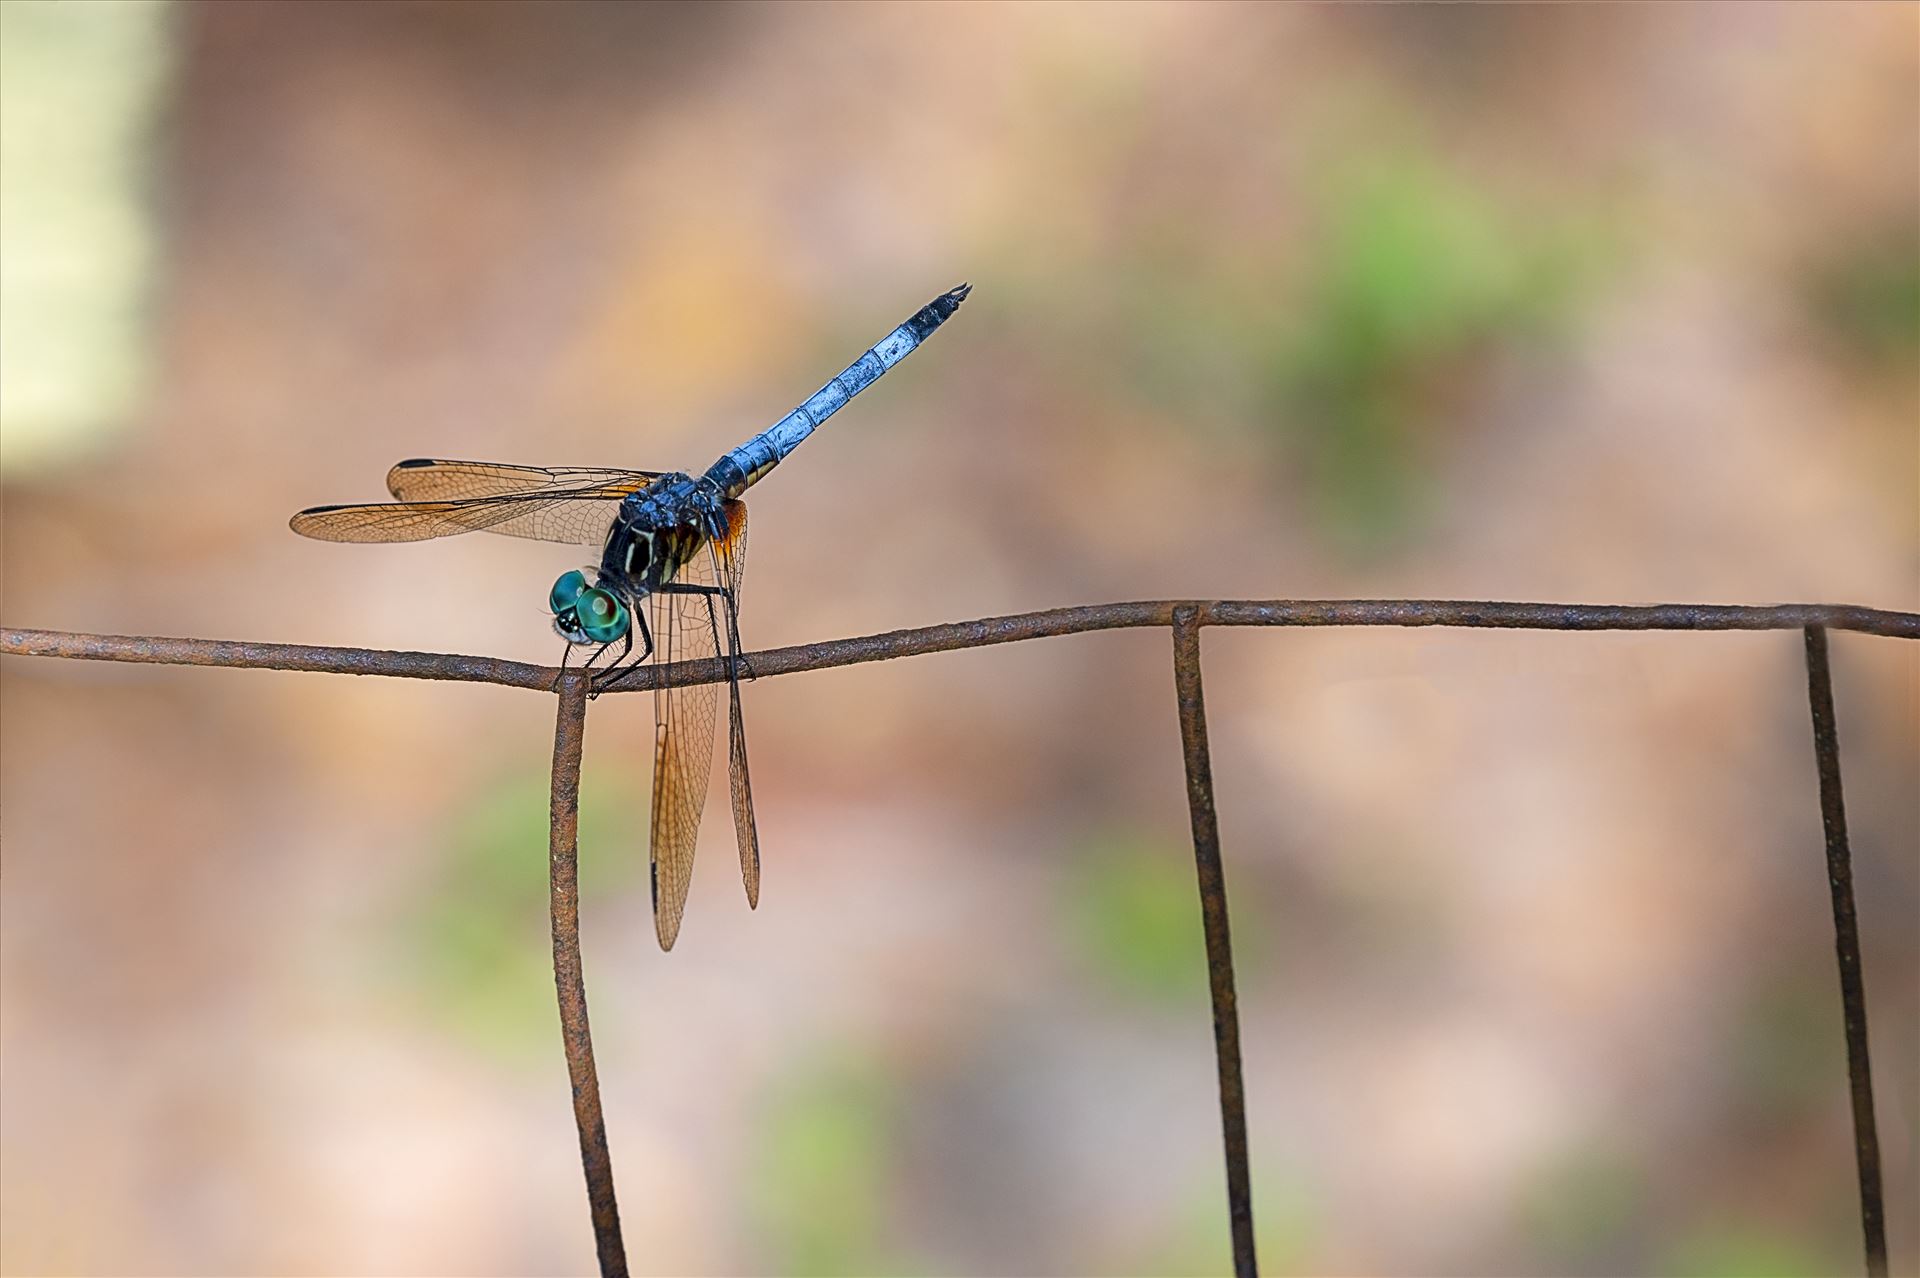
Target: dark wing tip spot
point(300, 517)
point(397, 473)
point(312, 522)
point(310, 512)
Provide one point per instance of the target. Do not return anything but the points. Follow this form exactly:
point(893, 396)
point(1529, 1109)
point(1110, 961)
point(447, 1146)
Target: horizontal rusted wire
point(244, 655)
point(974, 634)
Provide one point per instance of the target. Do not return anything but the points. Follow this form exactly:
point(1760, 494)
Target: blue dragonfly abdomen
point(736, 472)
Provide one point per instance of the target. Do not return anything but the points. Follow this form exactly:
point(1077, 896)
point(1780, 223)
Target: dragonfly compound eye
point(603, 618)
point(566, 592)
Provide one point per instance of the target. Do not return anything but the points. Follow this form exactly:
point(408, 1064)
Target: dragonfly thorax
point(659, 529)
point(677, 499)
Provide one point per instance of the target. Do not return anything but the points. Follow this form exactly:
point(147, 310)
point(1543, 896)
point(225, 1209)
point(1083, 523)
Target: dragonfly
point(672, 555)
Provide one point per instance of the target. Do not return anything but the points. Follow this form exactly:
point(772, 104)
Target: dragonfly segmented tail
point(741, 468)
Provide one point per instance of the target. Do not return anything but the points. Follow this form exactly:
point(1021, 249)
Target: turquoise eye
point(603, 618)
point(566, 592)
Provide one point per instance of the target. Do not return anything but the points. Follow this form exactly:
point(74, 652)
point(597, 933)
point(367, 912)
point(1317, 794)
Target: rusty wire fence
point(1185, 620)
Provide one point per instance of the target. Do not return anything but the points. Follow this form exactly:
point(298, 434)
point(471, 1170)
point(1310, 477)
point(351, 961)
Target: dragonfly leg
point(586, 667)
point(733, 633)
point(736, 663)
point(595, 656)
point(616, 672)
point(600, 683)
point(713, 621)
point(732, 609)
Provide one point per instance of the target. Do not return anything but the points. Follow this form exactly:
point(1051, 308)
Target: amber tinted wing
point(730, 565)
point(685, 628)
point(577, 520)
point(435, 479)
point(571, 504)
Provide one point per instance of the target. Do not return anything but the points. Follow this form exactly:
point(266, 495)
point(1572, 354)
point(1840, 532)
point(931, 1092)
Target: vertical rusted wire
point(1213, 916)
point(1186, 619)
point(569, 734)
point(1846, 940)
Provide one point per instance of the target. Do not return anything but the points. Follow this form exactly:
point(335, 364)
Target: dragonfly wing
point(685, 628)
point(571, 504)
point(579, 518)
point(435, 479)
point(730, 565)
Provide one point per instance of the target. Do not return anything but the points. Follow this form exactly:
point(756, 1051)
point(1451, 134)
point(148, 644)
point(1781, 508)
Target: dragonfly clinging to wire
point(673, 548)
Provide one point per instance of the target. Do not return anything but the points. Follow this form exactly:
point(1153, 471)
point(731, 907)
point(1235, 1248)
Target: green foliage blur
point(1285, 1231)
point(1420, 284)
point(1867, 297)
point(476, 935)
point(819, 1185)
point(1135, 914)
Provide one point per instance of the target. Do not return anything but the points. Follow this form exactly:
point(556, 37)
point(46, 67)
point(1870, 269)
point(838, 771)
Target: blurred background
point(1611, 304)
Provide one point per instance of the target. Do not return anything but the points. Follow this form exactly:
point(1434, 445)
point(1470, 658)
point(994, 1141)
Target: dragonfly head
point(586, 614)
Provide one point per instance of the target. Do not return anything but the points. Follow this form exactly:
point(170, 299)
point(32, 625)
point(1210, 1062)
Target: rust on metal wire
point(1846, 940)
point(975, 634)
point(1213, 918)
point(1552, 616)
point(1186, 619)
point(237, 654)
point(563, 863)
